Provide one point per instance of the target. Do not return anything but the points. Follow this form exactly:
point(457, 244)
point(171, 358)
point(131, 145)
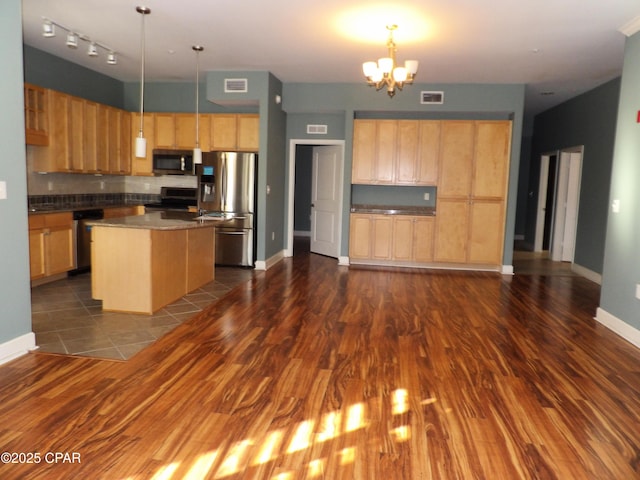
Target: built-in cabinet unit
point(395, 152)
point(84, 137)
point(178, 131)
point(468, 160)
point(35, 115)
point(50, 244)
point(399, 238)
point(235, 132)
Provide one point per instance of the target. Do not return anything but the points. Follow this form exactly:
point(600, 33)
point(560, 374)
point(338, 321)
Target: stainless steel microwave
point(173, 162)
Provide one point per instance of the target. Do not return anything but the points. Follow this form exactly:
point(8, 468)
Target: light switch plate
point(3, 190)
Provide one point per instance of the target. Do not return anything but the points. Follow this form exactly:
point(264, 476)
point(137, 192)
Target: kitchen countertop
point(67, 208)
point(161, 221)
point(393, 210)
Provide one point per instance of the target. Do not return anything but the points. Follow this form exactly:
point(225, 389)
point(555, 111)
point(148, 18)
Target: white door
point(326, 199)
point(566, 208)
point(542, 203)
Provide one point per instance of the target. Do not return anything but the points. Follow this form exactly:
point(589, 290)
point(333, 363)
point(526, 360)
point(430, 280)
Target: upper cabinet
point(395, 152)
point(35, 115)
point(178, 131)
point(235, 132)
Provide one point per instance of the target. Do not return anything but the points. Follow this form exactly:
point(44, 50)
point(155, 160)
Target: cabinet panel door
point(36, 253)
point(164, 130)
point(59, 250)
point(102, 139)
point(223, 132)
point(142, 166)
point(124, 142)
point(386, 146)
point(407, 159)
point(403, 237)
point(364, 151)
point(452, 230)
point(382, 236)
point(113, 119)
point(492, 148)
point(423, 233)
point(185, 131)
point(456, 158)
point(90, 138)
point(486, 232)
point(59, 131)
point(428, 152)
point(76, 133)
point(360, 236)
point(248, 133)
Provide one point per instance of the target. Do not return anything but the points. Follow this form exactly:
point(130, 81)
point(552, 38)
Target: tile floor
point(66, 320)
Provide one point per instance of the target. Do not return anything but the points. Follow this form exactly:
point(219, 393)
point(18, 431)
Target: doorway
point(319, 196)
point(558, 203)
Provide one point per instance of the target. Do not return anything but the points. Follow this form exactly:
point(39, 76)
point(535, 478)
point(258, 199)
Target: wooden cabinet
point(50, 244)
point(472, 192)
point(55, 156)
point(396, 152)
point(235, 132)
point(76, 134)
point(142, 166)
point(119, 141)
point(178, 131)
point(35, 115)
point(404, 239)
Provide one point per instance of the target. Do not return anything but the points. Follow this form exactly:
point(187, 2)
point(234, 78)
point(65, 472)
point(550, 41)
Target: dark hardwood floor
point(312, 370)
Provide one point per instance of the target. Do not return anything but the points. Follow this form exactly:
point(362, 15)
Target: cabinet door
point(113, 119)
point(185, 125)
point(164, 130)
point(456, 159)
point(403, 237)
point(90, 138)
point(407, 153)
point(492, 148)
point(59, 250)
point(428, 152)
point(364, 151)
point(124, 143)
point(248, 133)
point(142, 166)
point(486, 232)
point(75, 132)
point(382, 227)
point(102, 139)
point(386, 146)
point(55, 157)
point(223, 132)
point(36, 253)
point(423, 233)
point(452, 230)
point(35, 115)
point(360, 236)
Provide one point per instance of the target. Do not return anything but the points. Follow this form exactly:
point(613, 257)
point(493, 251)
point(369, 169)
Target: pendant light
point(197, 152)
point(141, 142)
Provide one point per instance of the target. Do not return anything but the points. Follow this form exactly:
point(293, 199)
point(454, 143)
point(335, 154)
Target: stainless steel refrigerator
point(226, 188)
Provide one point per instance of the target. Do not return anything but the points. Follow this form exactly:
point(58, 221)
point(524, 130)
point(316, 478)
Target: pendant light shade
point(197, 152)
point(141, 142)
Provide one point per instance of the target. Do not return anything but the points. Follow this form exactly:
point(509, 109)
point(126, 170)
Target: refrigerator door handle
point(223, 183)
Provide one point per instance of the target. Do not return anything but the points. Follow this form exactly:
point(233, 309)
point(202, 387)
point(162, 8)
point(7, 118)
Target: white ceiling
point(562, 46)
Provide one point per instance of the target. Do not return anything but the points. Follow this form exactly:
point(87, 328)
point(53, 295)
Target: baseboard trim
point(626, 331)
point(270, 262)
point(507, 269)
point(586, 273)
point(17, 347)
point(343, 261)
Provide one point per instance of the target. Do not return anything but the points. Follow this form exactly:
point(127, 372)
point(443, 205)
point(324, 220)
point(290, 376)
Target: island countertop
point(161, 221)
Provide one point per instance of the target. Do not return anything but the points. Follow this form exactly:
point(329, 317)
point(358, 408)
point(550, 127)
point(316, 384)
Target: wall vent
point(431, 98)
point(236, 85)
point(317, 129)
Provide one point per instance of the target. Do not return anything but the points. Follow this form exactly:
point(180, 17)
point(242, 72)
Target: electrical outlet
point(426, 196)
point(273, 235)
point(638, 291)
point(3, 190)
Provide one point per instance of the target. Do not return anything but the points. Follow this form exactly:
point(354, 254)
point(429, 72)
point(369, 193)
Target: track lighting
point(72, 40)
point(49, 31)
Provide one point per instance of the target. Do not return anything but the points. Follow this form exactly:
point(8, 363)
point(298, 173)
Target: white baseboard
point(17, 347)
point(343, 261)
point(626, 331)
point(270, 262)
point(586, 273)
point(507, 269)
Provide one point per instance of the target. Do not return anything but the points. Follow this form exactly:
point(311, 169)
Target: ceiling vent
point(236, 85)
point(431, 98)
point(317, 129)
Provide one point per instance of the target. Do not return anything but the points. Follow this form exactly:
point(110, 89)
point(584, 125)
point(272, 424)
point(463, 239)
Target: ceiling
point(559, 49)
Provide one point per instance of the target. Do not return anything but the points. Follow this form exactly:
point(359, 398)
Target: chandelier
point(386, 73)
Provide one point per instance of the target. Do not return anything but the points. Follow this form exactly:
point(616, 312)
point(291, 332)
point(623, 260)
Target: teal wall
point(589, 120)
point(49, 71)
point(621, 272)
point(340, 103)
point(15, 294)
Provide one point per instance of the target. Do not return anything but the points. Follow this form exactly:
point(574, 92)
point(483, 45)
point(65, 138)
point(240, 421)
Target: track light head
point(92, 51)
point(111, 58)
point(48, 29)
point(72, 40)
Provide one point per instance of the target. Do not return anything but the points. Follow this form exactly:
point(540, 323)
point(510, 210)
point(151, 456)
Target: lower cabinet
point(403, 239)
point(50, 244)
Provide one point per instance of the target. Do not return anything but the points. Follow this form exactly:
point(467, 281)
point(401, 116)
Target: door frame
point(570, 192)
point(293, 143)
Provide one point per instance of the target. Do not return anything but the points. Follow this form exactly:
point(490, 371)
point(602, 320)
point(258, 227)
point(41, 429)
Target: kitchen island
point(142, 263)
